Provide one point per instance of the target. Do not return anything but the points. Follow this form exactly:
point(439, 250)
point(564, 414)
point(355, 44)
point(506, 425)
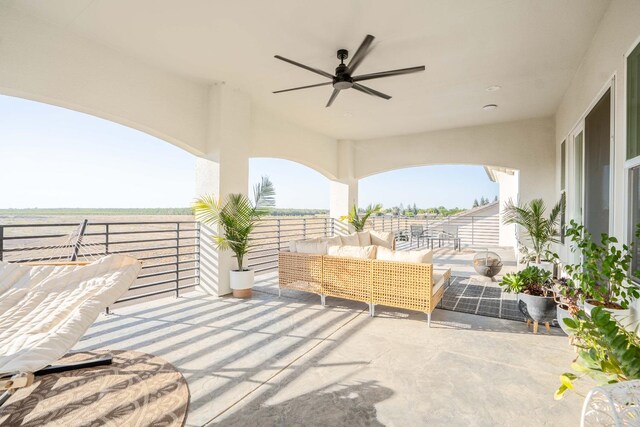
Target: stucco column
point(344, 190)
point(224, 170)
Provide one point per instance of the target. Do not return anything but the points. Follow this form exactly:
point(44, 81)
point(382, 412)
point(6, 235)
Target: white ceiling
point(529, 47)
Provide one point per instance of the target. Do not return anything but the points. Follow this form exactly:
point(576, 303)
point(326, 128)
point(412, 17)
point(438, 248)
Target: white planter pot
point(241, 283)
point(625, 317)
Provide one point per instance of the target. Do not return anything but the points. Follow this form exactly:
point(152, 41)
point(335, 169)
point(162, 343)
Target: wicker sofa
point(408, 285)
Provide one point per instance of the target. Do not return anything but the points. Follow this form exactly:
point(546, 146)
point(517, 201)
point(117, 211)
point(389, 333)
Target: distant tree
point(401, 207)
point(395, 211)
point(495, 199)
point(415, 209)
point(475, 203)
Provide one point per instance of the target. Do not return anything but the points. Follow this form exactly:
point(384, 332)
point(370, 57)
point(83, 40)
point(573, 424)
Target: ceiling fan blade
point(333, 97)
point(303, 87)
point(297, 64)
point(388, 73)
point(361, 53)
point(369, 91)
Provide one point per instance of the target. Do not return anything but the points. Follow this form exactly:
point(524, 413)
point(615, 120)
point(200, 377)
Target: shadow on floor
point(336, 405)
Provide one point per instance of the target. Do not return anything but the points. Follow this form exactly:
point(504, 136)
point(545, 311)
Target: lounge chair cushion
point(364, 252)
point(45, 310)
point(382, 238)
point(424, 256)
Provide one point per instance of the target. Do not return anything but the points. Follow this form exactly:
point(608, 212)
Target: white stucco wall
point(41, 62)
point(527, 146)
point(617, 33)
point(273, 136)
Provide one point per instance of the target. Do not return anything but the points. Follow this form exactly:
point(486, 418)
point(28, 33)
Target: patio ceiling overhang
point(200, 76)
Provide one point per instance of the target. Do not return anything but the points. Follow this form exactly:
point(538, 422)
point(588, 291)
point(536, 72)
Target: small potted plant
point(535, 296)
point(568, 297)
point(541, 231)
point(603, 273)
point(236, 218)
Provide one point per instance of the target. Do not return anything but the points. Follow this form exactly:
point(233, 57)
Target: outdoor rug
point(470, 295)
point(137, 389)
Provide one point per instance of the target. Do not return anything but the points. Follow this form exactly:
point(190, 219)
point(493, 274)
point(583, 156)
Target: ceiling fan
point(344, 78)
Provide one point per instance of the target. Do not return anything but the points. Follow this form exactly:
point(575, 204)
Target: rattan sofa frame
point(397, 284)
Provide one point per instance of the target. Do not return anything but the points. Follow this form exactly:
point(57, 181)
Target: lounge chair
point(46, 309)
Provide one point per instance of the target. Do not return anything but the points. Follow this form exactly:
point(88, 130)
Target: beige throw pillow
point(363, 252)
point(350, 240)
point(315, 248)
point(364, 238)
point(425, 256)
point(382, 238)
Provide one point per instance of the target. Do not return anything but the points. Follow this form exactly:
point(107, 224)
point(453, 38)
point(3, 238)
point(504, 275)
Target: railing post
point(1, 241)
point(106, 239)
point(472, 232)
point(304, 228)
point(177, 259)
point(333, 229)
point(278, 234)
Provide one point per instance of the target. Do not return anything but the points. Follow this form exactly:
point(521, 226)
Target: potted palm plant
point(357, 220)
point(236, 217)
point(535, 296)
point(603, 273)
point(541, 231)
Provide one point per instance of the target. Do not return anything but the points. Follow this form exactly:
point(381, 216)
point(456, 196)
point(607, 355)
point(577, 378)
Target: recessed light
point(347, 115)
point(490, 107)
point(493, 88)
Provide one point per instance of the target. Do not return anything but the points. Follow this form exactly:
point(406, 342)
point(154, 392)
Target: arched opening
point(469, 197)
point(59, 158)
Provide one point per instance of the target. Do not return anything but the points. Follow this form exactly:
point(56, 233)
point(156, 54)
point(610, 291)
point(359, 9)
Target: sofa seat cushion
point(382, 238)
point(440, 277)
point(385, 254)
point(362, 252)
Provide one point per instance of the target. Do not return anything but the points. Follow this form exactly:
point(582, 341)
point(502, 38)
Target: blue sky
point(54, 157)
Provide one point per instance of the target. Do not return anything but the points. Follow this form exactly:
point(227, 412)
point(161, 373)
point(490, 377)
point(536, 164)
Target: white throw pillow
point(315, 248)
point(424, 256)
point(350, 240)
point(364, 238)
point(334, 241)
point(293, 244)
point(382, 238)
point(364, 252)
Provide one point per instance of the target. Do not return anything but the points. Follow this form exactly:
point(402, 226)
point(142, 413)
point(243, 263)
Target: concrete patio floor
point(288, 361)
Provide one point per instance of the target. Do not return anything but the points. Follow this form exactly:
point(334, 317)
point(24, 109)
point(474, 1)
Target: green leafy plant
point(236, 216)
point(531, 280)
point(603, 271)
point(608, 353)
point(541, 231)
point(358, 220)
point(568, 294)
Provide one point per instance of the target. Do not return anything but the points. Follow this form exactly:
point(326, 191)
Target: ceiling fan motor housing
point(342, 79)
